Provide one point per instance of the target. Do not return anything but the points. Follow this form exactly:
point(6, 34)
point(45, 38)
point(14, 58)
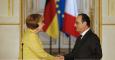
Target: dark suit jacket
point(88, 48)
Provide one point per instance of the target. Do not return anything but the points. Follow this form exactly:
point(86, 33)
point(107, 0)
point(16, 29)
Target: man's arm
point(69, 56)
point(96, 48)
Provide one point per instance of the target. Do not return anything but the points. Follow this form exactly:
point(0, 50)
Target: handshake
point(59, 57)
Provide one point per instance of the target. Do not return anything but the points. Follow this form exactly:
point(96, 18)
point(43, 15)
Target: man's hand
point(60, 57)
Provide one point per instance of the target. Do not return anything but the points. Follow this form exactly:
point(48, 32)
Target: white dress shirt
point(84, 32)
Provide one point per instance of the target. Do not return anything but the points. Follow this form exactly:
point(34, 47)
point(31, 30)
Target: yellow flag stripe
point(53, 29)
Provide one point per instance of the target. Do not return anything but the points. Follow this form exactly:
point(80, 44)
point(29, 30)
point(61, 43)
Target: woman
point(32, 45)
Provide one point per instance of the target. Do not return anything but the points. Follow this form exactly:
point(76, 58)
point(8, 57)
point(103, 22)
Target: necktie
point(78, 39)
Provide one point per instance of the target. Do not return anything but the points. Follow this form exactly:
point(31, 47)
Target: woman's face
point(41, 24)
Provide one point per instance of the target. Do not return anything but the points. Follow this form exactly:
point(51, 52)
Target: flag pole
point(59, 44)
point(50, 45)
point(69, 44)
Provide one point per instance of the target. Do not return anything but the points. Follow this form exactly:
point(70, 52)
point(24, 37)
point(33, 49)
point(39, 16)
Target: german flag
point(50, 19)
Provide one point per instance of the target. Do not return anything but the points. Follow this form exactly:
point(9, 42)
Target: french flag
point(70, 15)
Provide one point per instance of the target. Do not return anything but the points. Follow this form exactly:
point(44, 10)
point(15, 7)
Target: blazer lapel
point(84, 39)
point(87, 34)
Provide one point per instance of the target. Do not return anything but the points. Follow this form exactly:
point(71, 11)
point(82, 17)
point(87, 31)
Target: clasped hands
point(59, 57)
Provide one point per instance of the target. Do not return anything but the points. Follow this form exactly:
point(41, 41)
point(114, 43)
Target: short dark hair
point(32, 21)
point(85, 18)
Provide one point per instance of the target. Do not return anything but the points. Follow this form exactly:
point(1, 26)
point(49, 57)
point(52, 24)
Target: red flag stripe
point(49, 13)
point(68, 25)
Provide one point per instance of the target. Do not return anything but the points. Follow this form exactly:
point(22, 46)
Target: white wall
point(108, 29)
point(108, 43)
point(9, 29)
point(9, 42)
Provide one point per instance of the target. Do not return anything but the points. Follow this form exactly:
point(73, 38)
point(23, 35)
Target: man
point(87, 46)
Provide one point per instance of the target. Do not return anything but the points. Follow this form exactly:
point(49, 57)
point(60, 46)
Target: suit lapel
point(84, 39)
point(86, 35)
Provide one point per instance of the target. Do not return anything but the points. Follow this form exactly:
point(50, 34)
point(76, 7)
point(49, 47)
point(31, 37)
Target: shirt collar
point(84, 32)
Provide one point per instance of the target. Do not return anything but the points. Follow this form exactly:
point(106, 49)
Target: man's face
point(79, 24)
